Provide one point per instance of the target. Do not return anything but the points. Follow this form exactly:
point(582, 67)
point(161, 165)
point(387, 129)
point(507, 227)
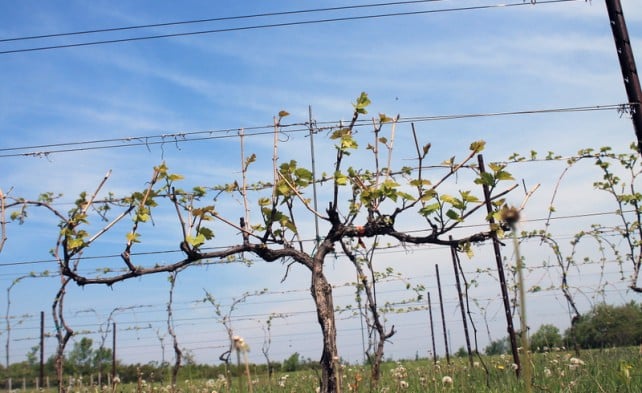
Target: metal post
point(314, 178)
point(113, 352)
point(432, 331)
point(443, 316)
point(455, 259)
point(500, 272)
point(627, 65)
point(41, 376)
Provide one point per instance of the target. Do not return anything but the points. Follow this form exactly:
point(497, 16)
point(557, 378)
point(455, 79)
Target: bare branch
point(93, 197)
point(178, 354)
point(479, 206)
point(275, 159)
point(244, 167)
point(390, 145)
point(528, 196)
point(3, 221)
point(298, 195)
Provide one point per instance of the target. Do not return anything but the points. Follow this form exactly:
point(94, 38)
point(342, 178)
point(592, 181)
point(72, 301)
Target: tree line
point(92, 365)
point(604, 326)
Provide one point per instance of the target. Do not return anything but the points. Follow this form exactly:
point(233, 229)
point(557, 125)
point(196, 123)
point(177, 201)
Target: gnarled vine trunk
point(322, 294)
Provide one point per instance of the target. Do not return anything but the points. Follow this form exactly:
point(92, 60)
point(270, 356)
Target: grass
point(609, 371)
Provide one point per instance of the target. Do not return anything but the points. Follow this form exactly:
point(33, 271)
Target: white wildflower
point(576, 361)
point(239, 344)
point(447, 380)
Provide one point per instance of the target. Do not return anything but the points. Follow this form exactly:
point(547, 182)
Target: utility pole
point(627, 64)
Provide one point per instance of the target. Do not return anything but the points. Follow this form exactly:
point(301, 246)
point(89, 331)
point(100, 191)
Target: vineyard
point(419, 301)
point(333, 248)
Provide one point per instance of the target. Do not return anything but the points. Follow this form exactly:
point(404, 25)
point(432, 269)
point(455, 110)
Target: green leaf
point(477, 146)
point(340, 179)
point(289, 225)
point(338, 134)
point(161, 169)
point(250, 159)
point(282, 188)
point(75, 243)
point(142, 216)
point(362, 102)
point(485, 179)
point(429, 209)
point(199, 191)
point(347, 142)
point(467, 197)
point(428, 195)
point(204, 212)
point(417, 182)
point(303, 173)
point(448, 199)
point(133, 237)
point(406, 196)
point(503, 175)
point(196, 241)
point(467, 249)
point(207, 233)
point(452, 214)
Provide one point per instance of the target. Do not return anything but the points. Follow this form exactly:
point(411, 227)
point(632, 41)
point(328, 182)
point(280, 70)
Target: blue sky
point(500, 59)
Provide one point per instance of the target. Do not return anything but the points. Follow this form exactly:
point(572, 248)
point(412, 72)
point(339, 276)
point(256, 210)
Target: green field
point(609, 370)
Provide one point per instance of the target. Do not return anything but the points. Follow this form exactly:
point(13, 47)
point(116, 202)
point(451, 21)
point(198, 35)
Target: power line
point(275, 25)
point(420, 304)
point(208, 263)
point(202, 135)
point(218, 19)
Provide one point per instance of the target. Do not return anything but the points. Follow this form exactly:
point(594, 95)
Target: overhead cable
point(224, 262)
point(275, 25)
point(218, 19)
point(194, 136)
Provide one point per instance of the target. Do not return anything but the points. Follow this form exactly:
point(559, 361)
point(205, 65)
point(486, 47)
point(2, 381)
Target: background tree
point(81, 356)
point(498, 347)
point(291, 364)
point(546, 337)
point(610, 326)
